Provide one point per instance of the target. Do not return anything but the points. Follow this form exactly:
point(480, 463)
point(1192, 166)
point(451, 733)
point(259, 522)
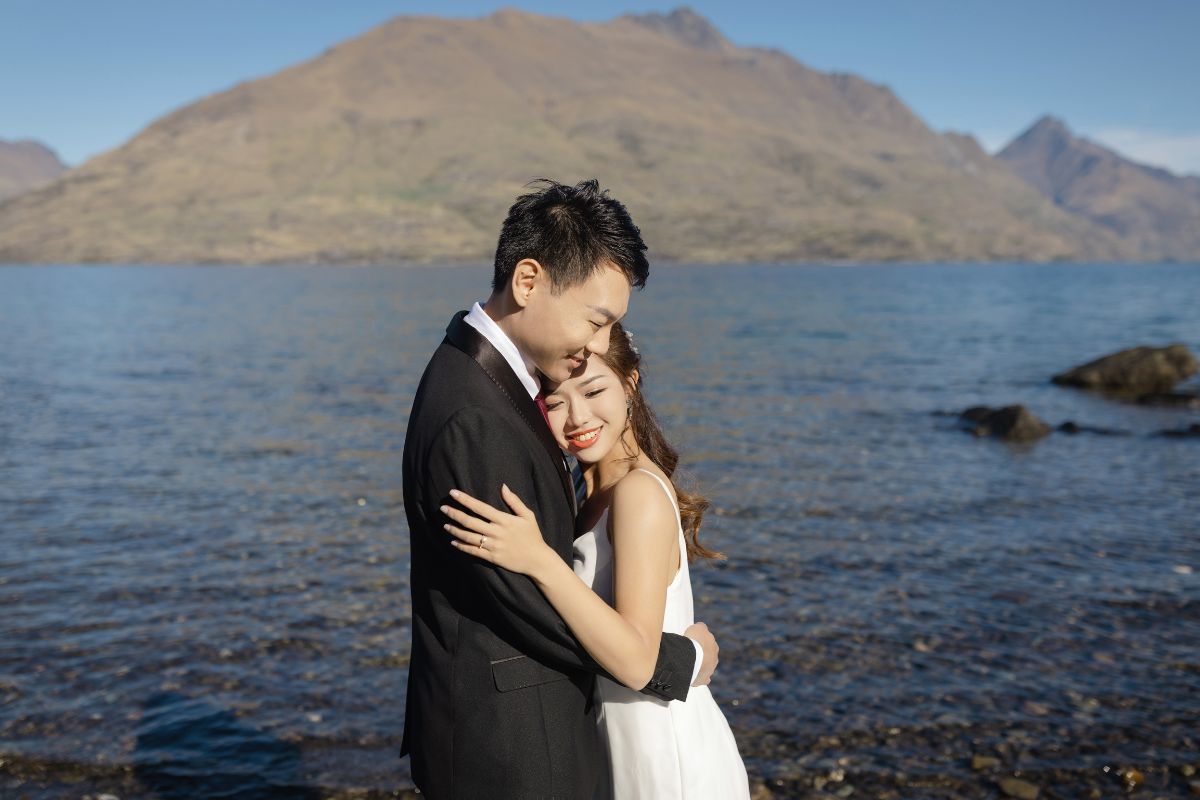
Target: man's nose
point(598, 344)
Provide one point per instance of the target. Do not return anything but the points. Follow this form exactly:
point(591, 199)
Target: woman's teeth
point(587, 437)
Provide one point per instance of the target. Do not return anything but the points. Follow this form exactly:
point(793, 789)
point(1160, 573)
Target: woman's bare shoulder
point(640, 499)
point(642, 481)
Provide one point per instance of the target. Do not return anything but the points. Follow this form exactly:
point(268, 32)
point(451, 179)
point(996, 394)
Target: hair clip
point(632, 346)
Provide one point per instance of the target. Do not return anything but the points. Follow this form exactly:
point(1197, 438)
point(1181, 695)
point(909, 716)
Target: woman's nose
point(576, 415)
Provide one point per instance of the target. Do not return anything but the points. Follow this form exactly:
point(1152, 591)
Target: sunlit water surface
point(204, 560)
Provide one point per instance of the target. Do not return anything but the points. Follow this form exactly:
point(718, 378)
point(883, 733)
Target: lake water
point(203, 551)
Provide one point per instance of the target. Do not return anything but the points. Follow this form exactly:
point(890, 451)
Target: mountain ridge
point(409, 141)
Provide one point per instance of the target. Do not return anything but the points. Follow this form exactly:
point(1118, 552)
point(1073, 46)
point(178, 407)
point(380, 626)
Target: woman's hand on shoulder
point(512, 541)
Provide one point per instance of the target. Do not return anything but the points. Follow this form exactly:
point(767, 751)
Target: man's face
point(559, 331)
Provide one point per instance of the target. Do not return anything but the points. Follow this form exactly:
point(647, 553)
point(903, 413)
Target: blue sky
point(84, 76)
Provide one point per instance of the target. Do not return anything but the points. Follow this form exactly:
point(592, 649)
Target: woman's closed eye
point(593, 393)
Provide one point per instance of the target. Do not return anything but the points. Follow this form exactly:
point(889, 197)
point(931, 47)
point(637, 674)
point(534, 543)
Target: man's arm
point(476, 452)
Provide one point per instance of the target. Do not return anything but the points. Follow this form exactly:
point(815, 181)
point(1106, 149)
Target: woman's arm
point(624, 640)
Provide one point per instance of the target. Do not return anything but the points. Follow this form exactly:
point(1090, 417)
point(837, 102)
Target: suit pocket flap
point(519, 672)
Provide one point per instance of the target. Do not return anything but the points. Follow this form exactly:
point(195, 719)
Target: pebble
point(761, 792)
point(984, 762)
point(1015, 787)
point(1132, 777)
point(1187, 770)
point(1194, 786)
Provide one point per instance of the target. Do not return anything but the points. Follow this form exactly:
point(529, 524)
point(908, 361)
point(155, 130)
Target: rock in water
point(1171, 399)
point(1073, 428)
point(1190, 432)
point(1015, 787)
point(1136, 371)
point(980, 762)
point(1010, 423)
point(1132, 777)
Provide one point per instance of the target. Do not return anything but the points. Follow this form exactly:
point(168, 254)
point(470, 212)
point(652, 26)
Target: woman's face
point(588, 411)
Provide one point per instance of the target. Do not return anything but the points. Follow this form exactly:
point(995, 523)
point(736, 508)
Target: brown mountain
point(410, 141)
point(1153, 211)
point(26, 165)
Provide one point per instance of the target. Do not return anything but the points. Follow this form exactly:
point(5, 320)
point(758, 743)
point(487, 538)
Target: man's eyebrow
point(602, 310)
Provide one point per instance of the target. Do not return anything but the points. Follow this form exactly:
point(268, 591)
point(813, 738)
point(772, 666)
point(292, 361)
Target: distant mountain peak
point(26, 165)
point(1158, 212)
point(1048, 132)
point(511, 12)
point(1049, 123)
point(684, 24)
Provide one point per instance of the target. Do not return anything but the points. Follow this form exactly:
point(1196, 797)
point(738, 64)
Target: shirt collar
point(478, 319)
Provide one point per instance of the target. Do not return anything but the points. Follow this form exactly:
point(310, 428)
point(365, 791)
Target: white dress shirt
point(478, 319)
point(524, 369)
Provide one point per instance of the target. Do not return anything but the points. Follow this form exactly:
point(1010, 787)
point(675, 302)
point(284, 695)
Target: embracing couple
point(554, 653)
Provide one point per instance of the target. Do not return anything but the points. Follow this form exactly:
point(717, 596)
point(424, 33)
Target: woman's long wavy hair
point(624, 359)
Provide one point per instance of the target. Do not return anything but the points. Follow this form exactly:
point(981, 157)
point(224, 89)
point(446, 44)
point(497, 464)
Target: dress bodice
point(593, 563)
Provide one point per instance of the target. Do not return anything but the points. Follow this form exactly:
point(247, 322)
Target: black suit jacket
point(499, 690)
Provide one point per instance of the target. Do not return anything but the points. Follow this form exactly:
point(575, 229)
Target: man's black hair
point(571, 231)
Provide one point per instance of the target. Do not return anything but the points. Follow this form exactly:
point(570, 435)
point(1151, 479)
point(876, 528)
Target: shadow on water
point(188, 748)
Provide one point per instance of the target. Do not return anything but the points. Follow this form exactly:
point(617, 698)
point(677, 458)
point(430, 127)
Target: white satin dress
point(659, 750)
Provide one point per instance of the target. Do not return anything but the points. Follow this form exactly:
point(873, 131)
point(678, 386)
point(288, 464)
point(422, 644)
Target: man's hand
point(699, 633)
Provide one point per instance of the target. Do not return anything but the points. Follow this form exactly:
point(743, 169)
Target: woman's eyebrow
point(589, 380)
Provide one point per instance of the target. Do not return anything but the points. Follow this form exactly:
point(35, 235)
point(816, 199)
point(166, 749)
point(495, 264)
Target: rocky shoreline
point(946, 760)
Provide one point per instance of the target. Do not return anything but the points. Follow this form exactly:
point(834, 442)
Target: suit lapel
point(464, 337)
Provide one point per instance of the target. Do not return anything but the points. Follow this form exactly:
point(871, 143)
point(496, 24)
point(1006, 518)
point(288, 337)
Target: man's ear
point(526, 277)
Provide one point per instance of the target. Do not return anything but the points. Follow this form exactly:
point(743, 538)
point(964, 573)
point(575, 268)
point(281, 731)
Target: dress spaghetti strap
point(667, 489)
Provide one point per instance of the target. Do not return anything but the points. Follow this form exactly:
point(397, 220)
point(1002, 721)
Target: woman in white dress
point(630, 580)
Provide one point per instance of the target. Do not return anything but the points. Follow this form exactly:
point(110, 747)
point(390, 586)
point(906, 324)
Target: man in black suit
point(499, 690)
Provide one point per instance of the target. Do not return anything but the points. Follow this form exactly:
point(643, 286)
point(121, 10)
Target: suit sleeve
point(475, 452)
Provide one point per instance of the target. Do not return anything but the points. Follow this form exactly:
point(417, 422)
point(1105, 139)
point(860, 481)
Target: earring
point(628, 404)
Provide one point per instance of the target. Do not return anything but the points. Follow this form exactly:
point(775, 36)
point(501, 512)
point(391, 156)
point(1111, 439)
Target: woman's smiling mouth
point(584, 439)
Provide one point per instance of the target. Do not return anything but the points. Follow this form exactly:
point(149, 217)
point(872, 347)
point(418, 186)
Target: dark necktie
point(578, 481)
